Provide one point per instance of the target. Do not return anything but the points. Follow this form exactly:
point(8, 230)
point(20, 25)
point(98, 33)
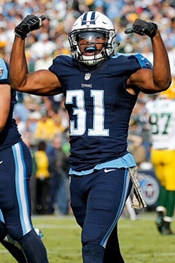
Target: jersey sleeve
point(4, 72)
point(143, 61)
point(62, 65)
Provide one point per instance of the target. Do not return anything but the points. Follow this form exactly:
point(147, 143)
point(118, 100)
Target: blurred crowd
point(43, 121)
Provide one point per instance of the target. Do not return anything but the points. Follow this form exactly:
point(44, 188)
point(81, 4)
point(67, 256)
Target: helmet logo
point(87, 76)
point(91, 21)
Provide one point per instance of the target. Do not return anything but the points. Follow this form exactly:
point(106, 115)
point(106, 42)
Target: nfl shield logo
point(87, 76)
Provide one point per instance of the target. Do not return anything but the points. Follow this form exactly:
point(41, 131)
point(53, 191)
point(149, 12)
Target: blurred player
point(15, 172)
point(162, 119)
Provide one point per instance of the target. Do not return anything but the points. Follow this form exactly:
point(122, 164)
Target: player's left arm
point(156, 79)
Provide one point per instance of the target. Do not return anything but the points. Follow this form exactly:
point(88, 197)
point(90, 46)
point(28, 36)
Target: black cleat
point(159, 221)
point(165, 229)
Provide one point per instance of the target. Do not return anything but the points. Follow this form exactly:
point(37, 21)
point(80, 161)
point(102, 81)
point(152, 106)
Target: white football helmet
point(92, 23)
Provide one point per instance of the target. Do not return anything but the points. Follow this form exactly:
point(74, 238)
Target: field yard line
point(142, 215)
point(3, 251)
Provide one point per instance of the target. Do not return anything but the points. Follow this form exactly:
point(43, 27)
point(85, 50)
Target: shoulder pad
point(143, 61)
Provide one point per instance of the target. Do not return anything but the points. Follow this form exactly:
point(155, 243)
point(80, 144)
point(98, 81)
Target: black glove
point(142, 28)
point(29, 23)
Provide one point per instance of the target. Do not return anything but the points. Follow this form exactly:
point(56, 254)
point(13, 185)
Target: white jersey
point(162, 119)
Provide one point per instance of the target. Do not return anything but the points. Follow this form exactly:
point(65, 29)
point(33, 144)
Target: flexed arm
point(41, 82)
point(159, 78)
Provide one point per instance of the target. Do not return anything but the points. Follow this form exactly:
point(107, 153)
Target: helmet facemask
point(92, 37)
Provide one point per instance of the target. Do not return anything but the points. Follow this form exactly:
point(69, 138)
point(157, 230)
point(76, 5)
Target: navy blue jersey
point(99, 106)
point(9, 135)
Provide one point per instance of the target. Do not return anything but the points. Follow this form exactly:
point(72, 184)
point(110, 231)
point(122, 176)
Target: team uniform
point(99, 109)
point(15, 172)
point(97, 85)
point(162, 120)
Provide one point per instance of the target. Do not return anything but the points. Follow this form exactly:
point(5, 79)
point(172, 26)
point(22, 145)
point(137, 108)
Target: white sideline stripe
point(4, 251)
point(55, 251)
point(156, 254)
point(54, 217)
point(49, 226)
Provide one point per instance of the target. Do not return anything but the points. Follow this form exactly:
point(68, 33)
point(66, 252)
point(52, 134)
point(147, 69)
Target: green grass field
point(139, 240)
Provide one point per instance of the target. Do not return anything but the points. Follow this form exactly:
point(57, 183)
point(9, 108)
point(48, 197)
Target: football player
point(100, 89)
point(15, 172)
point(162, 119)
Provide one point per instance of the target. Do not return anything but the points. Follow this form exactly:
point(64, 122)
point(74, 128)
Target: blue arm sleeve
point(143, 61)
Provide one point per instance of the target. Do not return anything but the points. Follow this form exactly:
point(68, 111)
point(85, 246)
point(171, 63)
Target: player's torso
point(99, 109)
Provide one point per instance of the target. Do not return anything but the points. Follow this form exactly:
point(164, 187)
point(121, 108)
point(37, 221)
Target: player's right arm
point(41, 82)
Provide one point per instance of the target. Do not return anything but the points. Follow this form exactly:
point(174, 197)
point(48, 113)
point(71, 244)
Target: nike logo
point(109, 170)
point(1, 162)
